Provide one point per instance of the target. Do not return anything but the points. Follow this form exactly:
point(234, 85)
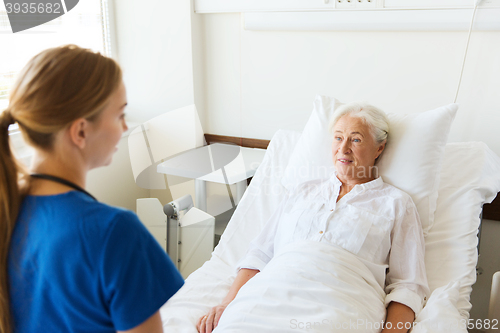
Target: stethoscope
point(62, 181)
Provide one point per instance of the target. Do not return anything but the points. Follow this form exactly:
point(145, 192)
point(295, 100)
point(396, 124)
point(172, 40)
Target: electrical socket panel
point(489, 4)
point(356, 4)
point(435, 4)
point(345, 4)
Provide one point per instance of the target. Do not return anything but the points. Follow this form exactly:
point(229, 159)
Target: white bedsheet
point(308, 286)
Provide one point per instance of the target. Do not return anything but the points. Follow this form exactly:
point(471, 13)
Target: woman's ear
point(78, 132)
point(381, 148)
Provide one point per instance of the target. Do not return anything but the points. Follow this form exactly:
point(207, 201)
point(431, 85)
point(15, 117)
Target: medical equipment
point(62, 181)
point(190, 230)
point(189, 234)
point(184, 231)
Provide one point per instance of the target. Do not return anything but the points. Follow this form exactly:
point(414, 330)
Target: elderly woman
point(354, 215)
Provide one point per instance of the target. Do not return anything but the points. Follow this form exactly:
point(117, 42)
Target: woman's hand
point(210, 321)
point(400, 316)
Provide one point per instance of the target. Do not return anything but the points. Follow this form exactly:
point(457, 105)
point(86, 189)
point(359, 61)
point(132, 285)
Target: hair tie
point(6, 118)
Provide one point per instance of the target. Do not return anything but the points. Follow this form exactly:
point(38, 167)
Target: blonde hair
point(375, 118)
point(55, 88)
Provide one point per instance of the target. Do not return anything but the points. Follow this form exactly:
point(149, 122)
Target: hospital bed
point(451, 242)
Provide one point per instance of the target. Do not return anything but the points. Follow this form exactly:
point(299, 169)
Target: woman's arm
point(400, 318)
point(406, 281)
point(242, 277)
point(210, 321)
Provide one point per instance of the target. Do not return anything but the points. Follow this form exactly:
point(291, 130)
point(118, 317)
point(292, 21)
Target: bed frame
point(244, 142)
point(492, 211)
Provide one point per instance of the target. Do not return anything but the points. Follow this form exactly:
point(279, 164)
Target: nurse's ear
point(78, 132)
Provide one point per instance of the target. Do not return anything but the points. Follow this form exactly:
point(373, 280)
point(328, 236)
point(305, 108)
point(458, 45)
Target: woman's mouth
point(344, 161)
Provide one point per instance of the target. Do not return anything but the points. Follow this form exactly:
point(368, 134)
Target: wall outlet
point(345, 4)
point(366, 3)
point(355, 4)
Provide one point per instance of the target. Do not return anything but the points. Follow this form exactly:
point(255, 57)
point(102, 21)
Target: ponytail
point(10, 201)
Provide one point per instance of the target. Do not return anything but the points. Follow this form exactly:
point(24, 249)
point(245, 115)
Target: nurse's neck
point(55, 165)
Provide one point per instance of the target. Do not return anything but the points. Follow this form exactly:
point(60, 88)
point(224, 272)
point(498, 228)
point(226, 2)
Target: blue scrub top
point(77, 265)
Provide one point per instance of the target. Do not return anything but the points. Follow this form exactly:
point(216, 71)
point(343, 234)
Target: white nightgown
point(375, 221)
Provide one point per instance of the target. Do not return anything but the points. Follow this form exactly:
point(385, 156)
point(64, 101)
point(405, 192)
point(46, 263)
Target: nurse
point(68, 262)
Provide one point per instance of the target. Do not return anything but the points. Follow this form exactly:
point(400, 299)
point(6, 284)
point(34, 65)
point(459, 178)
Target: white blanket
point(308, 287)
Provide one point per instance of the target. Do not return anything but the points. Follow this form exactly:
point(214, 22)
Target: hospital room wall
point(155, 52)
point(265, 80)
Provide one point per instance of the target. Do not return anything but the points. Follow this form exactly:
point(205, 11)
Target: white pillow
point(470, 177)
point(312, 156)
point(440, 314)
point(411, 160)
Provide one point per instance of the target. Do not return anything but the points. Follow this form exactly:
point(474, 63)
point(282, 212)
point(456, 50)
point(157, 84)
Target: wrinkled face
point(354, 150)
point(108, 129)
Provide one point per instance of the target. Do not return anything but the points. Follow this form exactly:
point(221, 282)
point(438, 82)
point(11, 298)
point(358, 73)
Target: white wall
point(155, 52)
point(280, 72)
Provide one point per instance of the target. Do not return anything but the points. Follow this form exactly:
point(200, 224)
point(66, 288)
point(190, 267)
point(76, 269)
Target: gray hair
point(375, 118)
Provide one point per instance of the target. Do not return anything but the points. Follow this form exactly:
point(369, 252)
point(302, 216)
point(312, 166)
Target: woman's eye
point(356, 140)
point(338, 139)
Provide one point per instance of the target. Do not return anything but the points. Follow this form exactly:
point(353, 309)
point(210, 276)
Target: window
point(86, 25)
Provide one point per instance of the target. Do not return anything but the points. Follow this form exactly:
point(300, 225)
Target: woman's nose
point(345, 146)
point(125, 127)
